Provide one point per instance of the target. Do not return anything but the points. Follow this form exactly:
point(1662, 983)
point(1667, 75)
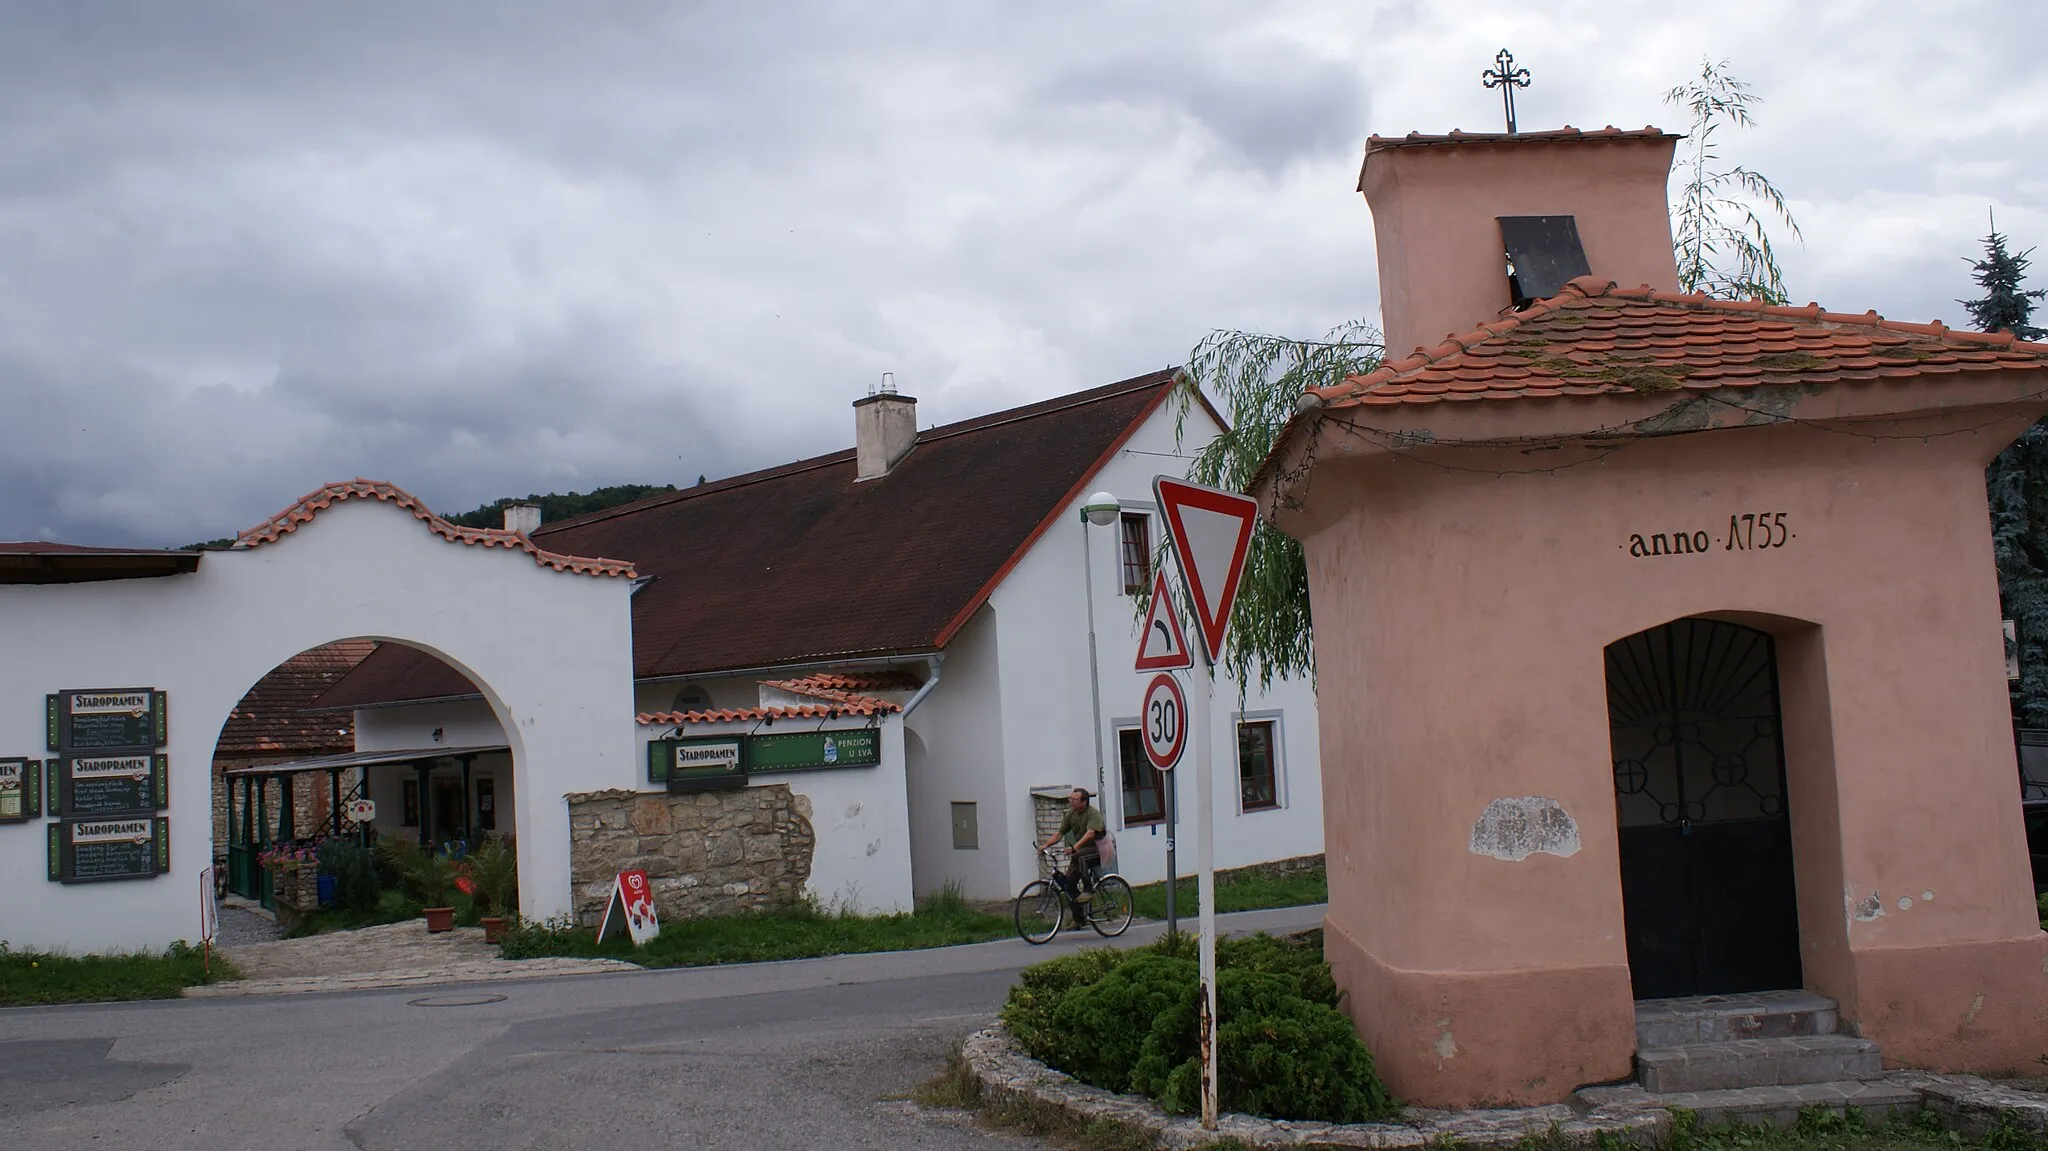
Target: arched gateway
point(545, 637)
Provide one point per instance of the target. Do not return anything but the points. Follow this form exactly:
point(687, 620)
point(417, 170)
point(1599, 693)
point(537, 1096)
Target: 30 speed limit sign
point(1165, 721)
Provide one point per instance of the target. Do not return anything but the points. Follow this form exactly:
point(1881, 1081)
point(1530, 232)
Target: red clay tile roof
point(847, 685)
point(857, 705)
point(287, 521)
point(1459, 138)
point(1596, 339)
point(800, 564)
point(272, 719)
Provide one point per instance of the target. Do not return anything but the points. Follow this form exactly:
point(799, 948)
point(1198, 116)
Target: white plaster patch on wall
point(1905, 903)
point(1518, 827)
point(1446, 1047)
point(1864, 908)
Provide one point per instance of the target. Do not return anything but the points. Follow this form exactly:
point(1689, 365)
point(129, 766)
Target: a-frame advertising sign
point(1162, 646)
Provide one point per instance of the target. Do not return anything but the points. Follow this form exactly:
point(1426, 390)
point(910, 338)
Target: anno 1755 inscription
point(1747, 532)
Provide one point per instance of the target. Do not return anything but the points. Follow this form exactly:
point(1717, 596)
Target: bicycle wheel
point(1038, 911)
point(1109, 912)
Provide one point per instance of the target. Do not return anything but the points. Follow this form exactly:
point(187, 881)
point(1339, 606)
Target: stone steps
point(1786, 1061)
point(1722, 1018)
point(1760, 1058)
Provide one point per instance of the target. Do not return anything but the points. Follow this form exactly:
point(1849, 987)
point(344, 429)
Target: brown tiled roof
point(853, 705)
point(1595, 339)
point(847, 685)
point(800, 564)
point(1459, 138)
point(46, 548)
point(272, 719)
point(313, 503)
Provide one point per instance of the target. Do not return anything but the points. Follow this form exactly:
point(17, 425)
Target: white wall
point(558, 681)
point(957, 757)
point(859, 816)
point(1043, 645)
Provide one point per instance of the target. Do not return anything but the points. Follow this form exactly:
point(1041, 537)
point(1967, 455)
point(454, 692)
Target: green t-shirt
point(1079, 823)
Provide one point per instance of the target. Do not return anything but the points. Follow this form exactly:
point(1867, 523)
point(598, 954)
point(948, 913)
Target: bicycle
point(1043, 907)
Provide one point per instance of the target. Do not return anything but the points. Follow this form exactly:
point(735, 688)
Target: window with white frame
point(1258, 764)
point(1144, 798)
point(1136, 549)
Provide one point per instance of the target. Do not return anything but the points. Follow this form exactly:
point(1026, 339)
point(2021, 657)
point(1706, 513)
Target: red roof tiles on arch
point(313, 503)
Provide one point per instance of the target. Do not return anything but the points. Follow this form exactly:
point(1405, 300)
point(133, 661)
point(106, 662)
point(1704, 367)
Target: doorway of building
point(1699, 795)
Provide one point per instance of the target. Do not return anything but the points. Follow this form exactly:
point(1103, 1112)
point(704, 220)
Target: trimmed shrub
point(1279, 1055)
point(1039, 988)
point(1128, 1021)
point(1100, 1027)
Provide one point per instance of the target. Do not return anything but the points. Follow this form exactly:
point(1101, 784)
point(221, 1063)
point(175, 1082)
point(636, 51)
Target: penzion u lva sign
point(1747, 532)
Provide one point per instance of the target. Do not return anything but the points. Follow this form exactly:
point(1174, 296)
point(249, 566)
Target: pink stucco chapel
point(1658, 642)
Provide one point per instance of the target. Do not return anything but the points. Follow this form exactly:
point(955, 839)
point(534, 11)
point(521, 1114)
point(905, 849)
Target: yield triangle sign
point(1162, 646)
point(1212, 536)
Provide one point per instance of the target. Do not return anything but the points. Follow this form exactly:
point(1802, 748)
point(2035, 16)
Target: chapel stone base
point(1960, 1007)
point(1486, 1038)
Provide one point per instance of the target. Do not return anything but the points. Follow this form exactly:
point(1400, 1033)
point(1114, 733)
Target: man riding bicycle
point(1082, 829)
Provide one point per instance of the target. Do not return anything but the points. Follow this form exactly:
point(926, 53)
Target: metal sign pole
point(1205, 882)
point(1172, 863)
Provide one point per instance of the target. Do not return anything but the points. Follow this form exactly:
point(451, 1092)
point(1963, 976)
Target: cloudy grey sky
point(481, 249)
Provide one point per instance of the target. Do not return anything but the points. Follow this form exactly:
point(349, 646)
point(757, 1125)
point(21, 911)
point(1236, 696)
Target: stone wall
point(704, 852)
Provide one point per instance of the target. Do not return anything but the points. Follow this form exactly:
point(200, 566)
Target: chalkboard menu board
point(107, 720)
point(21, 790)
point(97, 850)
point(109, 785)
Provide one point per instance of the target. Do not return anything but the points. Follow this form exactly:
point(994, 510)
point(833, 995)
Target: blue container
point(326, 890)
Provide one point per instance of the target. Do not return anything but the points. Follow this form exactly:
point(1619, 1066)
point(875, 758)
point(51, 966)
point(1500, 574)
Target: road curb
point(1008, 1078)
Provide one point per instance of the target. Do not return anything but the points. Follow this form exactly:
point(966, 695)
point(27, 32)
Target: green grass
point(794, 933)
point(1247, 892)
point(33, 977)
point(1817, 1130)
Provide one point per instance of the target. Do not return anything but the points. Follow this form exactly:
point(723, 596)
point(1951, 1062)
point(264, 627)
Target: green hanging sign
point(698, 764)
point(98, 850)
point(814, 750)
point(107, 720)
point(21, 790)
point(110, 785)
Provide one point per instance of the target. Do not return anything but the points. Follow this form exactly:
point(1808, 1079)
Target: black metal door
point(1699, 794)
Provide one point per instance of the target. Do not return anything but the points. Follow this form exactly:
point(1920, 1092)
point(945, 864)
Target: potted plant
point(430, 875)
point(493, 872)
point(292, 878)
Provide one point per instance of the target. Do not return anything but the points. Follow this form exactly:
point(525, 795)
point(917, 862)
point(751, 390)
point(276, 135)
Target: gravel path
point(240, 926)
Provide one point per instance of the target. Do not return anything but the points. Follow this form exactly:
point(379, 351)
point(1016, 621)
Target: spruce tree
point(2017, 484)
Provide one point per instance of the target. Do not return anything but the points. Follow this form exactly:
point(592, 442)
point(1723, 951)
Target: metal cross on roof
point(1506, 77)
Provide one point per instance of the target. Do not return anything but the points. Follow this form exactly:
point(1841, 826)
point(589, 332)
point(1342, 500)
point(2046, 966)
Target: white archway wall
point(551, 651)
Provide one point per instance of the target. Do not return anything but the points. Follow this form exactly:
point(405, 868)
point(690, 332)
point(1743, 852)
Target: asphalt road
point(799, 1054)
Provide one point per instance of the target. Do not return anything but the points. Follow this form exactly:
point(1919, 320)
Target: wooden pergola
point(250, 832)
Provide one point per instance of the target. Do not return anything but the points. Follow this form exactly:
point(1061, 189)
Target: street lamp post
point(1100, 510)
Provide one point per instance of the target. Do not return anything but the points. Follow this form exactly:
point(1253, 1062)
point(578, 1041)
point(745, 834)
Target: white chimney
point(522, 518)
point(884, 430)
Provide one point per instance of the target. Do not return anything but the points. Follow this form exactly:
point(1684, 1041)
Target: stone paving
point(391, 955)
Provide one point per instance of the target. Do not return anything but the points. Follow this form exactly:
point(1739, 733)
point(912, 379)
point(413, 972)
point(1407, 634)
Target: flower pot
point(494, 928)
point(439, 918)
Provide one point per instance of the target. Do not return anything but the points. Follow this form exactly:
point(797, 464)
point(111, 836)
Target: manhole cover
point(454, 1000)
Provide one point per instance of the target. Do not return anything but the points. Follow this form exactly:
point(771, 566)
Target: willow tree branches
point(1718, 228)
point(1257, 378)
